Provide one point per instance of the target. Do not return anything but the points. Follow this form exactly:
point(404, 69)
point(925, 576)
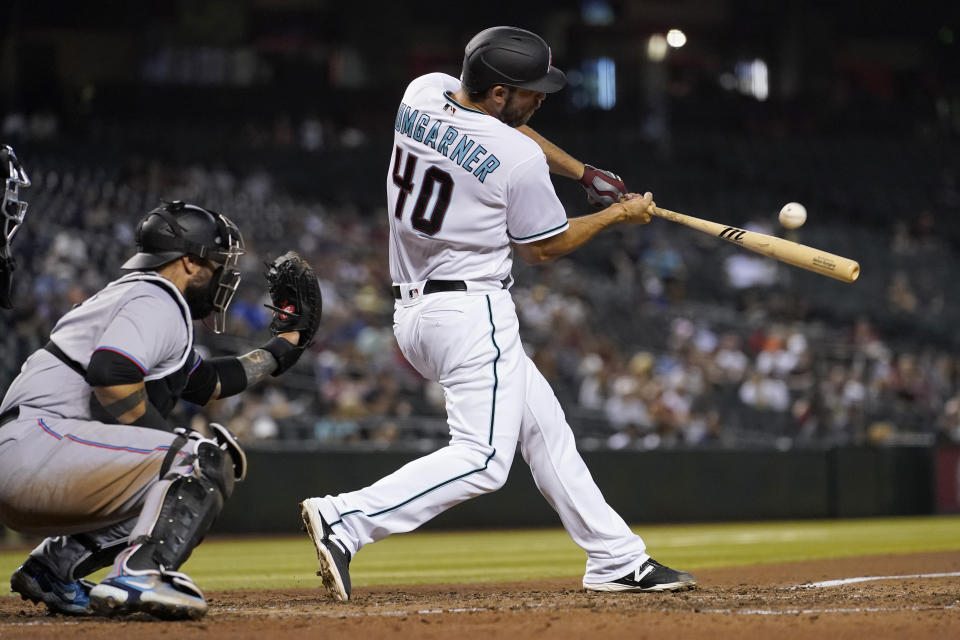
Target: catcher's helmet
point(177, 229)
point(511, 57)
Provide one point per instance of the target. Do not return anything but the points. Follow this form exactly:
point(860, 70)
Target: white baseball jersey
point(461, 187)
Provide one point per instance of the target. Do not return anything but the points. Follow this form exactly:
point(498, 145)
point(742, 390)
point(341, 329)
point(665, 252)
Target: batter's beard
point(199, 297)
point(513, 117)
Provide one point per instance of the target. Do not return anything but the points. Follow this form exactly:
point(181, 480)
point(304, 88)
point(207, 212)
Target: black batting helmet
point(177, 229)
point(511, 57)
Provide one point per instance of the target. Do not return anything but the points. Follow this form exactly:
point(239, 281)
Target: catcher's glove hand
point(603, 188)
point(296, 304)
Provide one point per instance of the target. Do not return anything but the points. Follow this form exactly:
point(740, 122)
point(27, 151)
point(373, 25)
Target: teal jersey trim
point(449, 96)
point(542, 233)
point(486, 463)
point(496, 378)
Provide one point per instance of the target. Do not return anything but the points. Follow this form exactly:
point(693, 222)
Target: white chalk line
point(52, 621)
point(796, 612)
point(391, 613)
point(843, 581)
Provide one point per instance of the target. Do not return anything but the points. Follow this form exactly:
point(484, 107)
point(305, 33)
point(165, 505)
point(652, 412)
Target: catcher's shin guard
point(186, 511)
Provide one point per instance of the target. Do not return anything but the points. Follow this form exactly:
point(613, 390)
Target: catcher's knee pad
point(189, 506)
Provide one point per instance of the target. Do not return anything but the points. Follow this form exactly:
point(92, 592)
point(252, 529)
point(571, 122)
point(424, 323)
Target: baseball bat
point(799, 255)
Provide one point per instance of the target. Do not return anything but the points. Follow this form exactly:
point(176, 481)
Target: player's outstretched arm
point(633, 209)
point(560, 162)
point(227, 376)
point(260, 363)
point(603, 188)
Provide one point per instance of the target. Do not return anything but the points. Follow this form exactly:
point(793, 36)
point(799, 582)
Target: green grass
point(493, 556)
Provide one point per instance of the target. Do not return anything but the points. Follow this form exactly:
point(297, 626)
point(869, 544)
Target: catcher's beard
point(199, 296)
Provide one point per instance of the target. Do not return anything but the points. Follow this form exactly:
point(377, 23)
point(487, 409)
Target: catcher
point(88, 454)
point(13, 210)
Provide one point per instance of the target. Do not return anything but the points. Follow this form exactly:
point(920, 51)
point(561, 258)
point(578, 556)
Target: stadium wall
point(653, 486)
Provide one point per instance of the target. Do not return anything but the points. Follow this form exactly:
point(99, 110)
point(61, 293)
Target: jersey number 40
point(433, 178)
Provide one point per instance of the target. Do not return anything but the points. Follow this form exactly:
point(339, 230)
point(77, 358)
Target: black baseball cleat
point(649, 576)
point(331, 552)
point(35, 582)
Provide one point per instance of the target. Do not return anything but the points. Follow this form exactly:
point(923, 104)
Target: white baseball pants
point(495, 397)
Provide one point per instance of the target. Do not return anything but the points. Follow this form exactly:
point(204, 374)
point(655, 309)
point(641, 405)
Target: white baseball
point(793, 215)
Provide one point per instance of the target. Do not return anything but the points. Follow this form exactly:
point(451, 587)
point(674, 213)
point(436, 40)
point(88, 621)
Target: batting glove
point(603, 187)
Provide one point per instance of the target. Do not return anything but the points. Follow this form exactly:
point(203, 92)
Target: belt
point(9, 415)
point(438, 286)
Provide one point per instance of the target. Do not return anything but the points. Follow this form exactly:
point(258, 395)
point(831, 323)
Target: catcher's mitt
point(296, 304)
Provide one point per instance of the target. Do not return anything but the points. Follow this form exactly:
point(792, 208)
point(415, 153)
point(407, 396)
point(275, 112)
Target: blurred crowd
point(652, 337)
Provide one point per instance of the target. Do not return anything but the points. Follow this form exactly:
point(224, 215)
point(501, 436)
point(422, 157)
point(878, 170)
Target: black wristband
point(285, 353)
point(233, 379)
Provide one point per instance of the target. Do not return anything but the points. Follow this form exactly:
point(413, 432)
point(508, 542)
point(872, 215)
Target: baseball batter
point(87, 454)
point(468, 181)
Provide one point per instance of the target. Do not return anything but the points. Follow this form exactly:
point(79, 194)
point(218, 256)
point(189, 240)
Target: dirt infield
point(764, 601)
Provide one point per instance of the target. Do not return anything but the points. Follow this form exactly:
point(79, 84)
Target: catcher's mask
point(14, 209)
point(176, 229)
